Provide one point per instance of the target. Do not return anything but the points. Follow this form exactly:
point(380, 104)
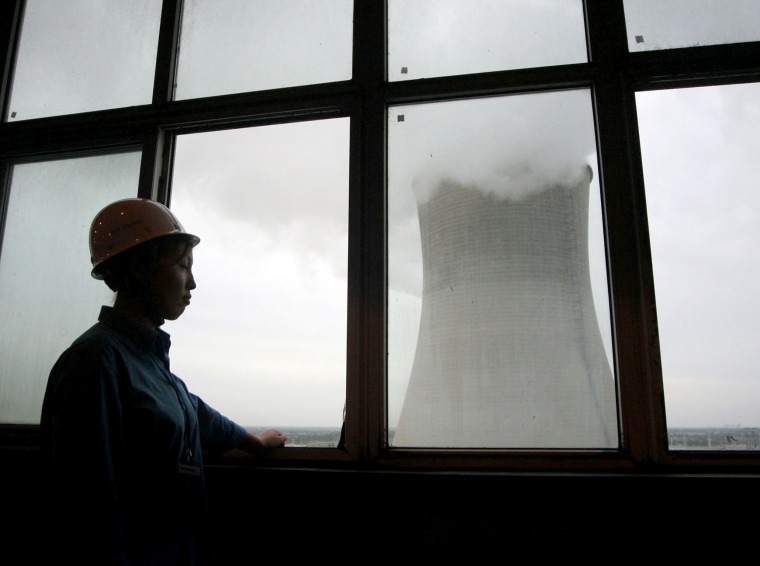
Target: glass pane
point(435, 38)
point(47, 297)
point(265, 339)
point(669, 24)
point(700, 149)
point(499, 330)
point(84, 55)
point(230, 46)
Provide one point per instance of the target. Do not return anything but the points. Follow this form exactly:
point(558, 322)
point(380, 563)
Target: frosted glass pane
point(699, 148)
point(433, 38)
point(84, 55)
point(47, 296)
point(499, 330)
point(669, 24)
point(265, 338)
point(230, 46)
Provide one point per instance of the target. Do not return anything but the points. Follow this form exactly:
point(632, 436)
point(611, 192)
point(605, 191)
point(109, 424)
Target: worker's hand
point(272, 438)
point(257, 444)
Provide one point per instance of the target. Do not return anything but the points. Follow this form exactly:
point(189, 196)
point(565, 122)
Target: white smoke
point(507, 146)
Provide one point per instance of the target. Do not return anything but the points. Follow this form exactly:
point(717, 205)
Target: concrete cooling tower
point(509, 351)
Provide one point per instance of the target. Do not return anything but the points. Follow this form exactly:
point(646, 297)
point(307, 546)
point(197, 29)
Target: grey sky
point(666, 24)
point(212, 36)
point(699, 148)
point(265, 337)
point(438, 37)
point(56, 51)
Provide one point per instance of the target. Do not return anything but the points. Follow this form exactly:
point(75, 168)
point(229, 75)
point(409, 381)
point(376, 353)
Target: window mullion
point(166, 55)
point(154, 167)
point(11, 14)
point(632, 292)
point(365, 416)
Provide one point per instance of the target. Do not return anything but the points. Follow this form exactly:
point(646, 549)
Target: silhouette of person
point(123, 438)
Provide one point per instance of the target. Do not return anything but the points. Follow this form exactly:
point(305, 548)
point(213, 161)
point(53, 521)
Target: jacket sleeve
point(218, 433)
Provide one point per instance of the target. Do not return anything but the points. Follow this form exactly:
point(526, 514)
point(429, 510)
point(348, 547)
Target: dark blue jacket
point(124, 442)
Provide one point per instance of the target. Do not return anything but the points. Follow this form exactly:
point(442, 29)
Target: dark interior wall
point(395, 516)
point(398, 514)
point(308, 514)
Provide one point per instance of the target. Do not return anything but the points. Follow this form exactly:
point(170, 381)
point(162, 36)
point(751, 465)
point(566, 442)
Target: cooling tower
point(509, 351)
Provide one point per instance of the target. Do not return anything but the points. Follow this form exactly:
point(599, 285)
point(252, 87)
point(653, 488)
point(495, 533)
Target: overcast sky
point(271, 206)
point(702, 175)
point(265, 337)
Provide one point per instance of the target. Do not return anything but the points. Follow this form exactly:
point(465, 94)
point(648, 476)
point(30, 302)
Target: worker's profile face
point(171, 282)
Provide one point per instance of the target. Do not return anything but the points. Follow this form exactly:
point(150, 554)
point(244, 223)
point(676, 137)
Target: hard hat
point(126, 223)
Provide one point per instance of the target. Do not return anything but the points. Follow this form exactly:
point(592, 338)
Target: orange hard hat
point(126, 223)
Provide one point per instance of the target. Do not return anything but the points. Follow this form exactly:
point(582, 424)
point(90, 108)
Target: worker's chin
point(174, 314)
point(172, 317)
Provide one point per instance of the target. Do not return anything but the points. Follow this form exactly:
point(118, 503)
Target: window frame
point(613, 76)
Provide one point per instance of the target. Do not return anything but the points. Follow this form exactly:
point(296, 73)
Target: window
point(700, 180)
point(459, 189)
point(59, 71)
point(669, 24)
point(435, 38)
point(46, 296)
point(489, 246)
point(265, 339)
point(233, 46)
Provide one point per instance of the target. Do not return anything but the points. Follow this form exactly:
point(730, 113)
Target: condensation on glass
point(435, 38)
point(265, 338)
point(84, 55)
point(498, 311)
point(670, 24)
point(699, 148)
point(47, 296)
point(231, 46)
